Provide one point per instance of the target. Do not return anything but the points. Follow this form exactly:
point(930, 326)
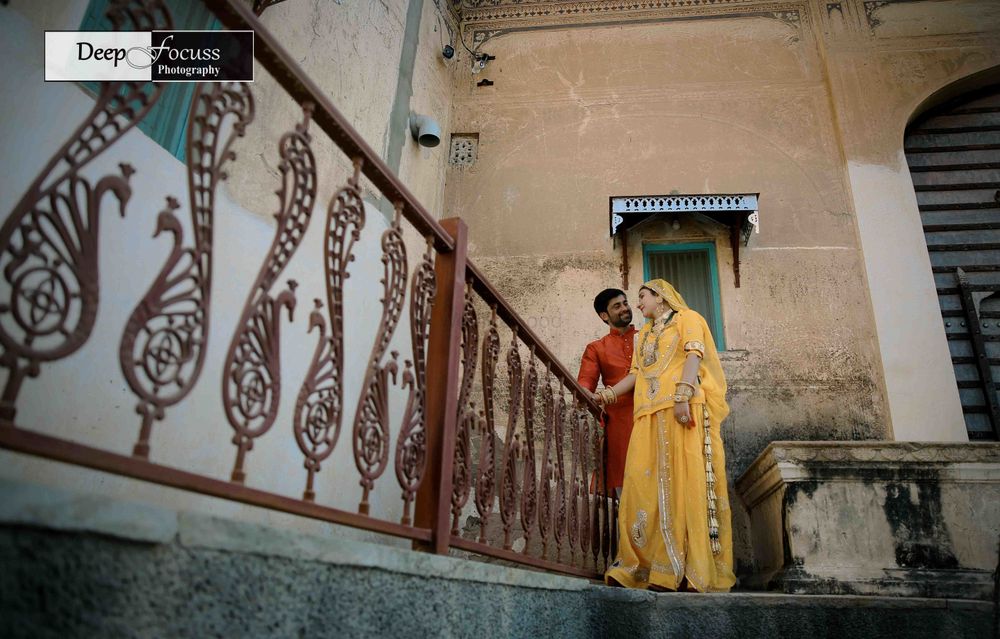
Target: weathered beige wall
point(781, 103)
point(881, 75)
point(422, 169)
point(706, 106)
point(352, 51)
point(799, 101)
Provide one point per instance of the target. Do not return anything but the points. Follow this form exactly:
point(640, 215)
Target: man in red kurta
point(609, 359)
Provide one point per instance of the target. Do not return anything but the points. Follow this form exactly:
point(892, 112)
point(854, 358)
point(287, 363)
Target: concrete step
point(79, 566)
point(752, 615)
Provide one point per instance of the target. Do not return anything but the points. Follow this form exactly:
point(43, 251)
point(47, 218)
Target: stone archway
point(953, 152)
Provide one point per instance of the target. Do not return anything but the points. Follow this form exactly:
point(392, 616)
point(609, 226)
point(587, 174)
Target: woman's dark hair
point(604, 298)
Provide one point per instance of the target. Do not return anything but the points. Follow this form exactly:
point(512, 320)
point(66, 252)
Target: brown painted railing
point(496, 433)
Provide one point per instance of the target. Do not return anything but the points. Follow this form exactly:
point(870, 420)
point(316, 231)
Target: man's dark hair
point(604, 298)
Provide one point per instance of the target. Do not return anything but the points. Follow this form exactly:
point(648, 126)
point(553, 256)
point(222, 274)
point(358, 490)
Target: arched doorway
point(953, 152)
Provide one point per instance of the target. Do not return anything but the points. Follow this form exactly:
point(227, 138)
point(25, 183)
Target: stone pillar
point(887, 518)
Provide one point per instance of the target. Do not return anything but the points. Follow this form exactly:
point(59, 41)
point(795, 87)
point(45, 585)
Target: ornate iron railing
point(495, 431)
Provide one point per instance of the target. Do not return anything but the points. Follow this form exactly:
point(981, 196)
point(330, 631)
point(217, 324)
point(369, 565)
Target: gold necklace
point(651, 351)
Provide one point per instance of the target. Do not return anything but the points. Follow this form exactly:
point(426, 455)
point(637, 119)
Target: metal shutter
point(954, 158)
point(690, 273)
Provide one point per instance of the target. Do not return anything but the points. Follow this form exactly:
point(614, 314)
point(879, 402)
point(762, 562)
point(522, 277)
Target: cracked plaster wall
point(352, 51)
point(834, 332)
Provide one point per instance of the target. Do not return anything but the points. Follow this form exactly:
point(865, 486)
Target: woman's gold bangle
point(608, 394)
point(683, 392)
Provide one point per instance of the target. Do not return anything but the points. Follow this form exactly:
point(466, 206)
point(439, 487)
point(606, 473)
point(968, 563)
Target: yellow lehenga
point(667, 527)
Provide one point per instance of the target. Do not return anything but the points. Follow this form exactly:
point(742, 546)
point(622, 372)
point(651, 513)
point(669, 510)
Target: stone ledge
point(788, 460)
point(877, 453)
point(905, 519)
point(774, 599)
point(966, 585)
point(57, 509)
point(40, 506)
point(203, 531)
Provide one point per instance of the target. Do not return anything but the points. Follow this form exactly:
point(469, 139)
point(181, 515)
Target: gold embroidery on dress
point(651, 377)
point(650, 352)
point(700, 583)
point(675, 554)
point(713, 521)
point(653, 387)
point(695, 346)
point(639, 529)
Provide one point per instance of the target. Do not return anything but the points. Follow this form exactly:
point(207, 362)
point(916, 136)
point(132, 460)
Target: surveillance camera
point(479, 61)
point(448, 52)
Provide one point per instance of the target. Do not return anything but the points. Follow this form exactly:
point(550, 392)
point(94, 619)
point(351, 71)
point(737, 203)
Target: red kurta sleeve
point(590, 370)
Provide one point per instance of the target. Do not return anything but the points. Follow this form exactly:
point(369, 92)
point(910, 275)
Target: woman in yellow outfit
point(674, 521)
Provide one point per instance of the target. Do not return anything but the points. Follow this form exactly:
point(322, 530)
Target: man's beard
point(622, 321)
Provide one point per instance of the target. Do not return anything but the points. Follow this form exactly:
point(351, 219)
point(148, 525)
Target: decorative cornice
point(454, 9)
point(870, 11)
point(485, 19)
point(488, 10)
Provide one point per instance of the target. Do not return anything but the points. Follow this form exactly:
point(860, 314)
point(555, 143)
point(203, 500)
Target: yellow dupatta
point(690, 322)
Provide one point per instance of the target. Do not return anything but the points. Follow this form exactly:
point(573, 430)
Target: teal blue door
point(694, 272)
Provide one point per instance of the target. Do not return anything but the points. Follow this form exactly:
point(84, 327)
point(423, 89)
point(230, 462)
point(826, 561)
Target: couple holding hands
point(665, 398)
